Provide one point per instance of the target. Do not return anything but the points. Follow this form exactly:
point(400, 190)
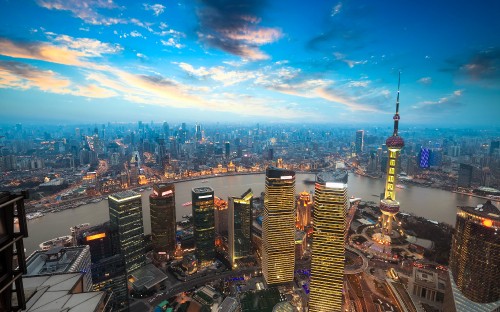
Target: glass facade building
point(240, 226)
point(163, 219)
point(327, 258)
point(125, 214)
point(204, 224)
point(108, 265)
point(475, 253)
point(278, 226)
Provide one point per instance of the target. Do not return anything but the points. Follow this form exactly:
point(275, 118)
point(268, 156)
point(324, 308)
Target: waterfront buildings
point(240, 226)
point(327, 255)
point(125, 214)
point(278, 226)
point(359, 144)
point(389, 206)
point(475, 259)
point(204, 224)
point(163, 220)
point(61, 260)
point(12, 248)
point(108, 265)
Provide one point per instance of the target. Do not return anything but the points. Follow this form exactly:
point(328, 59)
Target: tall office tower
point(59, 260)
point(227, 150)
point(494, 147)
point(278, 226)
point(134, 169)
point(327, 257)
point(204, 224)
point(423, 157)
point(304, 210)
point(125, 214)
point(108, 265)
point(163, 220)
point(360, 136)
point(220, 216)
point(475, 259)
point(12, 248)
point(240, 226)
point(198, 134)
point(166, 130)
point(465, 175)
point(389, 206)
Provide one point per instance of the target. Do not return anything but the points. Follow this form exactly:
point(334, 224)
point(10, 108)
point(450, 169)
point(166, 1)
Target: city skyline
point(334, 62)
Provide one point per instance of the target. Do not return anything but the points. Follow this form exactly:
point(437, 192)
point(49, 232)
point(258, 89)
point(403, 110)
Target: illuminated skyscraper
point(163, 220)
point(125, 214)
point(204, 224)
point(327, 258)
point(389, 206)
point(240, 226)
point(360, 135)
point(278, 226)
point(475, 259)
point(304, 210)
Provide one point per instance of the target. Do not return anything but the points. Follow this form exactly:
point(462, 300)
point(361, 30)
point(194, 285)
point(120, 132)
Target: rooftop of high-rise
point(337, 176)
point(486, 210)
point(202, 190)
point(55, 260)
point(124, 195)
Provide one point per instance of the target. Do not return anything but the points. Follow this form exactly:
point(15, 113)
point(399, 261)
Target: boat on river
point(63, 241)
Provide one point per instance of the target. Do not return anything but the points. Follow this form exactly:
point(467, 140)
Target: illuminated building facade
point(204, 224)
point(163, 220)
point(108, 265)
point(125, 214)
point(359, 144)
point(240, 226)
point(327, 257)
point(389, 206)
point(475, 253)
point(424, 156)
point(304, 205)
point(278, 226)
point(221, 216)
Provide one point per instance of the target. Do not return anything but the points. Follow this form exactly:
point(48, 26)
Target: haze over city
point(280, 61)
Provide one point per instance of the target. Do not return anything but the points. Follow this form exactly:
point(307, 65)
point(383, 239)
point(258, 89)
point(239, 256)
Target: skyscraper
point(475, 258)
point(327, 257)
point(163, 220)
point(304, 210)
point(108, 265)
point(240, 226)
point(125, 214)
point(389, 206)
point(204, 224)
point(360, 135)
point(278, 226)
point(465, 175)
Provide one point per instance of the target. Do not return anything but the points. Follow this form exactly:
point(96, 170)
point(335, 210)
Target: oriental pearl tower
point(389, 206)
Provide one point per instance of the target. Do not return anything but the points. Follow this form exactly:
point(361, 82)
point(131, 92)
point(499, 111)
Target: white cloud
point(135, 33)
point(425, 80)
point(87, 46)
point(171, 42)
point(156, 8)
point(336, 9)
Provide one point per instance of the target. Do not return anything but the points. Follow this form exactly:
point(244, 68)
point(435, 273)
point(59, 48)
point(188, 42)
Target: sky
point(328, 62)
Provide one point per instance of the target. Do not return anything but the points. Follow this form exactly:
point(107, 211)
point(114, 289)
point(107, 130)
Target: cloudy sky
point(250, 60)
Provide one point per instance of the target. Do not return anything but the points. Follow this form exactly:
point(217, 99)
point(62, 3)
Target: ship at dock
point(63, 241)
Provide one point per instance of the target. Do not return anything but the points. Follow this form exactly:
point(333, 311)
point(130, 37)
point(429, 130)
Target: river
point(430, 203)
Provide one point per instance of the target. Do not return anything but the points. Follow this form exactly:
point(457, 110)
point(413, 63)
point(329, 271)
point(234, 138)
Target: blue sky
point(235, 61)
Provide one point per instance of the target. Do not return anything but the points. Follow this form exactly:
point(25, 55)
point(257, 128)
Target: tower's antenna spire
point(396, 116)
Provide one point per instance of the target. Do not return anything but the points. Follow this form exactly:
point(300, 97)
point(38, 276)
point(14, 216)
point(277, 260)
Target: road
point(179, 287)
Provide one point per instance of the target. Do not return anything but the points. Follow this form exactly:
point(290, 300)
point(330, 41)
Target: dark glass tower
point(125, 214)
point(240, 226)
point(204, 224)
point(163, 225)
point(475, 253)
point(108, 265)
